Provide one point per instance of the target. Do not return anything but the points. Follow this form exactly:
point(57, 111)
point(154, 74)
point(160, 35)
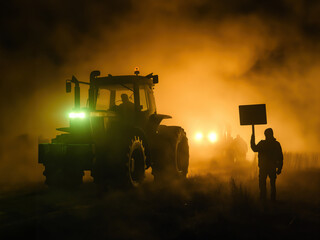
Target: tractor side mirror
point(155, 79)
point(68, 86)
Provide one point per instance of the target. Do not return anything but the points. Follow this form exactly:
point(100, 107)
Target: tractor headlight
point(212, 137)
point(77, 115)
point(199, 136)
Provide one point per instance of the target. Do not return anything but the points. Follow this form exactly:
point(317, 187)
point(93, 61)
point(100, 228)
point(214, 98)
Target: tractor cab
point(113, 101)
point(129, 98)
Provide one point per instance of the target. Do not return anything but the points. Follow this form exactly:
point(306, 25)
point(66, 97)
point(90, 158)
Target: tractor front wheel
point(125, 165)
point(135, 162)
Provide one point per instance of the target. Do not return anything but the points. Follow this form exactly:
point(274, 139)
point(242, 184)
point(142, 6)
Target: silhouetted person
point(270, 161)
point(240, 149)
point(126, 108)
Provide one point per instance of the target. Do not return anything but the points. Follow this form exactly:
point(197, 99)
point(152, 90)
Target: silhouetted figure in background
point(227, 144)
point(270, 161)
point(240, 148)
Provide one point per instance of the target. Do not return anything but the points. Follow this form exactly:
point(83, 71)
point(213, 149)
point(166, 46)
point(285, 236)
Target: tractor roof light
point(137, 71)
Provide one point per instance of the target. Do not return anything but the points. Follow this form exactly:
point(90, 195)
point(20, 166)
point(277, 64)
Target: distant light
point(212, 137)
point(199, 136)
point(77, 115)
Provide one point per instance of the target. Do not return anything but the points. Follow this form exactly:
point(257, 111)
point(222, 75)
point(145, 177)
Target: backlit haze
point(211, 57)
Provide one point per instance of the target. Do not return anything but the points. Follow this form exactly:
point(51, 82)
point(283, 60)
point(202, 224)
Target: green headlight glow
point(77, 115)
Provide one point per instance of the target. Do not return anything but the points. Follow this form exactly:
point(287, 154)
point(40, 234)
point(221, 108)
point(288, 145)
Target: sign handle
point(253, 134)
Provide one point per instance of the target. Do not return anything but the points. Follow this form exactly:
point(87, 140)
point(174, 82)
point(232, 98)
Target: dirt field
point(221, 202)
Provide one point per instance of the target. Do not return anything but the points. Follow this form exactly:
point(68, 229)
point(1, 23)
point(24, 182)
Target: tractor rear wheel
point(173, 154)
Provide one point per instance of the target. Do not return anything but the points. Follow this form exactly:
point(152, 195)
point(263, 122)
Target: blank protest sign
point(253, 114)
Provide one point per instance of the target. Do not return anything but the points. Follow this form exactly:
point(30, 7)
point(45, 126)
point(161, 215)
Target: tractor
point(117, 136)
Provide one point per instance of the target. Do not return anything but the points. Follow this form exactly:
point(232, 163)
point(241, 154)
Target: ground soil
point(216, 201)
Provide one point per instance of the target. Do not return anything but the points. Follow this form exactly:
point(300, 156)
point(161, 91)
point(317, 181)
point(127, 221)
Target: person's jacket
point(269, 153)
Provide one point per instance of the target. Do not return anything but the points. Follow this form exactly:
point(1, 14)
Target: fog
point(210, 58)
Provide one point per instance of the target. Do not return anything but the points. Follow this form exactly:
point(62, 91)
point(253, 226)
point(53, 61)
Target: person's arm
point(254, 147)
point(280, 159)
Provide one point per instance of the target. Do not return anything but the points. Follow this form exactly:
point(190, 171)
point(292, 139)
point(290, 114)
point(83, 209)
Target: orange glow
point(198, 136)
point(212, 137)
point(206, 69)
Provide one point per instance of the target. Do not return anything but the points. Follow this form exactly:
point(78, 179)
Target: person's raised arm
point(254, 147)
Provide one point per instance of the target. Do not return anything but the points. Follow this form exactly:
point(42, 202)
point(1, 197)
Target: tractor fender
point(155, 120)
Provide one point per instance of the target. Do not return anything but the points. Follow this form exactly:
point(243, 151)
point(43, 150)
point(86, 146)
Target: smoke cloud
point(211, 56)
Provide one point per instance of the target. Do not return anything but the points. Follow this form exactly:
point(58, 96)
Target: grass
point(219, 203)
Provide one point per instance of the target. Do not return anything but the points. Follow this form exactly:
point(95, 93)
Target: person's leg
point(262, 184)
point(273, 177)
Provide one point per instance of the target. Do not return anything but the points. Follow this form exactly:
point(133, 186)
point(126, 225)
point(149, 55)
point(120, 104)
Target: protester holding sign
point(270, 157)
point(270, 161)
